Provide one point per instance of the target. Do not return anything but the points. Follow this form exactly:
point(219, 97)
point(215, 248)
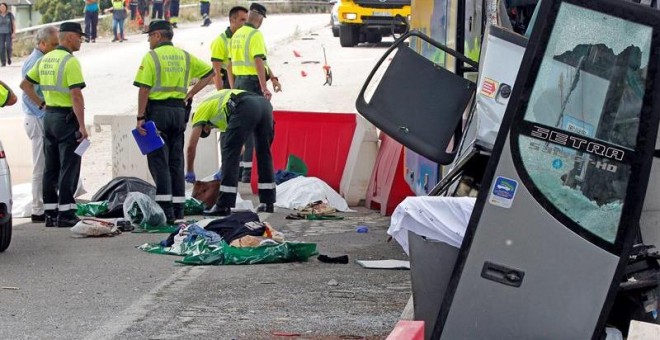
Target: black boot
point(217, 211)
point(266, 207)
point(67, 220)
point(51, 221)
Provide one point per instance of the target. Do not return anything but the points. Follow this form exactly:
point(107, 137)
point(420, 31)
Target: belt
point(249, 76)
point(59, 109)
point(168, 102)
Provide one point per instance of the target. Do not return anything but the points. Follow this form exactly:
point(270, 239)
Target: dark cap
point(72, 27)
point(159, 25)
point(259, 8)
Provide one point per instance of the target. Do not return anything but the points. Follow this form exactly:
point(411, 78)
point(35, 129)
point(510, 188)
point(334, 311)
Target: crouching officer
point(238, 114)
point(60, 76)
point(163, 79)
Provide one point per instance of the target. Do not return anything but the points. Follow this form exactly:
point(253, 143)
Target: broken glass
point(584, 112)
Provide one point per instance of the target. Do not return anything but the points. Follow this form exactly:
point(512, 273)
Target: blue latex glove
point(190, 177)
point(218, 175)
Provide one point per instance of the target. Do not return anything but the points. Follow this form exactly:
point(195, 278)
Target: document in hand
point(151, 141)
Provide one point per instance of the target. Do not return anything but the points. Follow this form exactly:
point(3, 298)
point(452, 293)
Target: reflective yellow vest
point(57, 72)
point(213, 109)
point(245, 44)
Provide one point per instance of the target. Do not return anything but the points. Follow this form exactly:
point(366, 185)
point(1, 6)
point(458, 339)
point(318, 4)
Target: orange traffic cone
point(297, 54)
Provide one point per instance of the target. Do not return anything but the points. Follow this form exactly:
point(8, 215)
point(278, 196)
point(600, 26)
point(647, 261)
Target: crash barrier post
point(321, 140)
point(360, 162)
point(387, 186)
point(407, 330)
point(127, 160)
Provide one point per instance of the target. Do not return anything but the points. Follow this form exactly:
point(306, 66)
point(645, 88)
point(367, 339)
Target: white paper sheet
point(82, 147)
point(384, 264)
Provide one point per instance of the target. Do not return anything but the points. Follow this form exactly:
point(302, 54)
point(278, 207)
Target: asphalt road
point(55, 286)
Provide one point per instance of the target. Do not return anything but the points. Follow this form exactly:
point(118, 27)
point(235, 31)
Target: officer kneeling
point(238, 114)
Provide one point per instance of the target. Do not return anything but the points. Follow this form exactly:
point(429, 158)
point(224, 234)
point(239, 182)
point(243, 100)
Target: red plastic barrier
point(321, 140)
point(388, 187)
point(407, 330)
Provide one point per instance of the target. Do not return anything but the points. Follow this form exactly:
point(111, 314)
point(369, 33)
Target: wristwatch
point(139, 118)
point(42, 105)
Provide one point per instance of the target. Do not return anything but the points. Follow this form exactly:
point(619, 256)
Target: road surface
point(60, 287)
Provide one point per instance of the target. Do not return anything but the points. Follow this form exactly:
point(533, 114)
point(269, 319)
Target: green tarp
point(200, 253)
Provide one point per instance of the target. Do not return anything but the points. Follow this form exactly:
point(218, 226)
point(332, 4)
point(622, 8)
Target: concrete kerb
point(126, 157)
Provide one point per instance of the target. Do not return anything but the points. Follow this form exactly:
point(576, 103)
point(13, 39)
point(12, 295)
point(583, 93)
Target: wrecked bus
point(557, 151)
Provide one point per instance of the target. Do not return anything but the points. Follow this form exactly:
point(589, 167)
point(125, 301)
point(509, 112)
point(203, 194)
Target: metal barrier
point(29, 31)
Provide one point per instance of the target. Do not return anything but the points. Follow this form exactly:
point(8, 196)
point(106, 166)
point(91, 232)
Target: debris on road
point(343, 259)
point(384, 264)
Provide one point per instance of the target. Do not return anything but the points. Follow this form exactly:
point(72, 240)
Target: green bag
point(296, 165)
point(91, 209)
point(193, 206)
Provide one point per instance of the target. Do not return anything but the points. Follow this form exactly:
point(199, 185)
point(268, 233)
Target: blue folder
point(151, 141)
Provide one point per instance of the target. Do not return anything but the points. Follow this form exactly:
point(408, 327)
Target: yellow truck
point(371, 20)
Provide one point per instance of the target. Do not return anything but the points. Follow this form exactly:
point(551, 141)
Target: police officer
point(7, 96)
point(163, 79)
point(239, 114)
point(60, 76)
point(220, 46)
point(248, 70)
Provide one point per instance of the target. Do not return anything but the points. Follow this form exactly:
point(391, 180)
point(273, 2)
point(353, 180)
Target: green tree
point(58, 10)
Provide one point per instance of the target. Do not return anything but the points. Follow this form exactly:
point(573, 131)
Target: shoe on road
point(266, 207)
point(217, 211)
point(67, 222)
point(51, 221)
point(38, 218)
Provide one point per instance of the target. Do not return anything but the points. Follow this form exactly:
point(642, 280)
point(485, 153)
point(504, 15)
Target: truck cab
point(371, 20)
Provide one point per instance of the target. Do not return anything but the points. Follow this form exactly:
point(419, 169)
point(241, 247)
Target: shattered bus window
point(583, 116)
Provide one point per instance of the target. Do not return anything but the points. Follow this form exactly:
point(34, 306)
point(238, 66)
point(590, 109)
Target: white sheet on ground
point(22, 198)
point(296, 193)
point(443, 219)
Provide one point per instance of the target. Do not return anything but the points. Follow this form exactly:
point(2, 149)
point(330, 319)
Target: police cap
point(72, 27)
point(259, 8)
point(159, 25)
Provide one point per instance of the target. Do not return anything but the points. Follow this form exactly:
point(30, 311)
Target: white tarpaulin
point(296, 193)
point(443, 219)
point(22, 198)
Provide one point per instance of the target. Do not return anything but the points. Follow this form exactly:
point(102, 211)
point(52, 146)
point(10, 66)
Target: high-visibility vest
point(213, 109)
point(118, 4)
point(239, 51)
point(57, 77)
point(220, 49)
point(4, 95)
point(172, 73)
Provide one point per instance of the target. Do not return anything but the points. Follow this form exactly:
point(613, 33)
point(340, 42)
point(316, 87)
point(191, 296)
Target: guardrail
point(20, 33)
point(29, 31)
